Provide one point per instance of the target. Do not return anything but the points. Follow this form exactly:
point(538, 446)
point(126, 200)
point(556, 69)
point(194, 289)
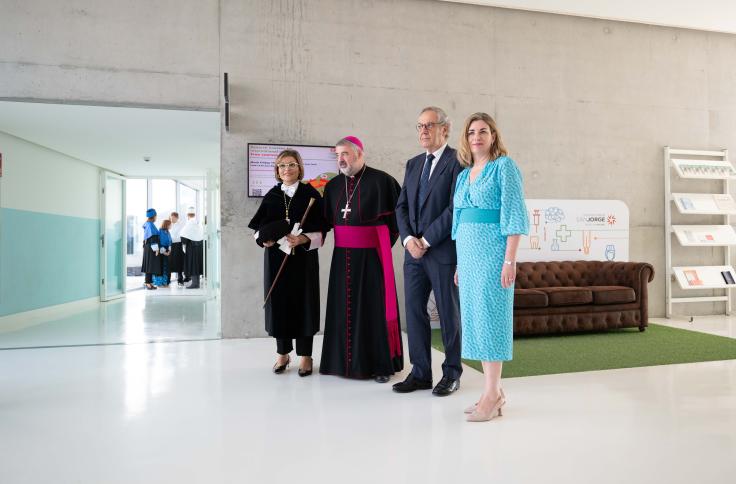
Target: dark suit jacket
point(436, 216)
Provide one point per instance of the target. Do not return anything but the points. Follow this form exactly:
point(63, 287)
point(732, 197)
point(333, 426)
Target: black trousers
point(149, 278)
point(303, 346)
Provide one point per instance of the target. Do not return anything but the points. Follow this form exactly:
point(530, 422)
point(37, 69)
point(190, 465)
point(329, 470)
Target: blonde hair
point(289, 154)
point(464, 155)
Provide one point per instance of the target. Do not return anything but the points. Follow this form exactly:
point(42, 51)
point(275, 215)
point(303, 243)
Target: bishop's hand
point(268, 243)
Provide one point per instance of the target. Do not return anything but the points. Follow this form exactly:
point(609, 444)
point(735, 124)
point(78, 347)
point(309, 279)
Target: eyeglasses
point(428, 126)
point(284, 166)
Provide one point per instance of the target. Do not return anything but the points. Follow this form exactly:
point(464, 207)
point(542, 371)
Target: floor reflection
point(140, 317)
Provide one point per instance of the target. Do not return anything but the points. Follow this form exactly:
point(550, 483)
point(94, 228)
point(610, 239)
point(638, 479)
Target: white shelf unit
point(705, 277)
point(692, 164)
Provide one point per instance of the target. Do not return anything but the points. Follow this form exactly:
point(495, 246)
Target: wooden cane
point(283, 263)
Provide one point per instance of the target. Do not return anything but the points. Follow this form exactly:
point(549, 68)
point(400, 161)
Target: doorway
point(87, 174)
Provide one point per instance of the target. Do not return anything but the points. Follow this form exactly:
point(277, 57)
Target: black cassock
point(193, 257)
point(360, 341)
point(292, 311)
point(152, 263)
point(176, 259)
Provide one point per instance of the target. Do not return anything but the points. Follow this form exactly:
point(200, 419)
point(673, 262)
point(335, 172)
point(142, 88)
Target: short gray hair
point(442, 117)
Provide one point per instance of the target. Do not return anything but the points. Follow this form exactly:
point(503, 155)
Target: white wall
point(38, 179)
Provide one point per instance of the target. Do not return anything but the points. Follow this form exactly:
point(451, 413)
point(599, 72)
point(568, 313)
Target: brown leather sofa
point(577, 296)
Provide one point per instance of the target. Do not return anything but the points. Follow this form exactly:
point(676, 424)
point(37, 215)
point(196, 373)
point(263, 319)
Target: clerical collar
point(289, 190)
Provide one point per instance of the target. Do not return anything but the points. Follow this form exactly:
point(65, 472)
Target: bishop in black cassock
point(362, 334)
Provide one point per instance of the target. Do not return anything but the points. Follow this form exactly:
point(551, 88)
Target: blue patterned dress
point(486, 308)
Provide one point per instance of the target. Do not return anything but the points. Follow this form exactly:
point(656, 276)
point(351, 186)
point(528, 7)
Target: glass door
point(113, 237)
point(212, 228)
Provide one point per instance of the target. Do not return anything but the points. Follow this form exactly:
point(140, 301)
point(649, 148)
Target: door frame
point(104, 175)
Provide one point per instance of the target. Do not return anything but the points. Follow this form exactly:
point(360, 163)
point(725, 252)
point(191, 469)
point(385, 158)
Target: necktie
point(424, 182)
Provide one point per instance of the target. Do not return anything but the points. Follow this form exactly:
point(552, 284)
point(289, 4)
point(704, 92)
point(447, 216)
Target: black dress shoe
point(411, 384)
point(279, 369)
point(306, 372)
point(381, 378)
point(446, 386)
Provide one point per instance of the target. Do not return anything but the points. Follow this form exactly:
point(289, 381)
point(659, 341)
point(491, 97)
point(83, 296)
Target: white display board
point(576, 230)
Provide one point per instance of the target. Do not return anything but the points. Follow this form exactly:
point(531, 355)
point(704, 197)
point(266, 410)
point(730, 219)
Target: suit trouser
point(420, 277)
point(303, 346)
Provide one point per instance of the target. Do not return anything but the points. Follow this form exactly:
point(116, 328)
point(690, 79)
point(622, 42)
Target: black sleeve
point(402, 207)
point(394, 192)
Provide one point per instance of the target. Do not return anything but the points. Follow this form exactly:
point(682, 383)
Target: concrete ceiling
point(179, 143)
point(712, 15)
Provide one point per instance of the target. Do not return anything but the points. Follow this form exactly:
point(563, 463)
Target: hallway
point(173, 314)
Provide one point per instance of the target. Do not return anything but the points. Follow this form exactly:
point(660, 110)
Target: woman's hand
point(294, 240)
point(508, 275)
point(268, 243)
point(455, 278)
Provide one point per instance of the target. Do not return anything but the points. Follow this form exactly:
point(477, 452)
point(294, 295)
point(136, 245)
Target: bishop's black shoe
point(446, 386)
point(381, 378)
point(411, 384)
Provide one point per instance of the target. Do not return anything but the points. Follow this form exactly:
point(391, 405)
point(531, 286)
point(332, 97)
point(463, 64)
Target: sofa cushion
point(530, 298)
point(568, 296)
point(612, 294)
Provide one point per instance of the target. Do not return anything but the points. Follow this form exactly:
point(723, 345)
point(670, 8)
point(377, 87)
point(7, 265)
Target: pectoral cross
point(345, 211)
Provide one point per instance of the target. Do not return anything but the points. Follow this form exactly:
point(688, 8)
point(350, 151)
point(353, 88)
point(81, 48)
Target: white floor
point(211, 412)
point(166, 314)
point(717, 324)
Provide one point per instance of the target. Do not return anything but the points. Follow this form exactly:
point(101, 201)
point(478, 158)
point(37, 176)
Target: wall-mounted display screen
point(320, 165)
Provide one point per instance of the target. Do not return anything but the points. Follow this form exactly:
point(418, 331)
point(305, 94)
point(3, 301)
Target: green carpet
point(627, 348)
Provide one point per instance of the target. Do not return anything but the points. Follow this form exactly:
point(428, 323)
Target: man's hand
point(416, 248)
point(457, 282)
point(268, 243)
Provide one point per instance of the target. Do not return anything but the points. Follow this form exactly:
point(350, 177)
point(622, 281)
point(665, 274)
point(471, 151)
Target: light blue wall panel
point(46, 259)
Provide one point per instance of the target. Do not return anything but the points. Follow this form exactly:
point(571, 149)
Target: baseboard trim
point(14, 322)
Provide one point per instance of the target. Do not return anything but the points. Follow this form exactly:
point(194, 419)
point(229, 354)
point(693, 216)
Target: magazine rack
point(703, 165)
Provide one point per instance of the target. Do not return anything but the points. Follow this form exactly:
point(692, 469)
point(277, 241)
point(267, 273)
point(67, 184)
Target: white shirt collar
point(289, 189)
point(438, 154)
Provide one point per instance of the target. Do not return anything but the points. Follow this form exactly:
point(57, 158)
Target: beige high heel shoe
point(485, 417)
point(472, 408)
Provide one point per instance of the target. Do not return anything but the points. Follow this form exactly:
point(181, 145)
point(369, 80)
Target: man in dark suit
point(424, 215)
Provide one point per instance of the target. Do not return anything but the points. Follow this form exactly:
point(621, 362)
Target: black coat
point(292, 310)
point(152, 263)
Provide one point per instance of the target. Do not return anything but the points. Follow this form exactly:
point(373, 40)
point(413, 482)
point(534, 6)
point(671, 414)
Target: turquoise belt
point(480, 216)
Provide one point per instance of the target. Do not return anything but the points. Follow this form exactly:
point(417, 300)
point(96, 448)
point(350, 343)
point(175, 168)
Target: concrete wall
point(132, 52)
point(49, 227)
point(584, 105)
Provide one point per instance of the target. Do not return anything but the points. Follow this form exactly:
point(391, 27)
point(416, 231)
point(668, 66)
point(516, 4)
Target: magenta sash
point(376, 237)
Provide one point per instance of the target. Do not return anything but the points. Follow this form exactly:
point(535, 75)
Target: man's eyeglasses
point(284, 166)
point(428, 126)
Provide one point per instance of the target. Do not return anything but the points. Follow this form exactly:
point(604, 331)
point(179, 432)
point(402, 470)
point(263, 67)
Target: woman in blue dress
point(488, 220)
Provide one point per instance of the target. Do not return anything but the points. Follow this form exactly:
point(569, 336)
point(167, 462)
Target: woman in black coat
point(152, 264)
point(292, 311)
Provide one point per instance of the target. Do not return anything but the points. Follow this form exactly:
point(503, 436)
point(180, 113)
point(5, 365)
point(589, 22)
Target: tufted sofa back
point(531, 275)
